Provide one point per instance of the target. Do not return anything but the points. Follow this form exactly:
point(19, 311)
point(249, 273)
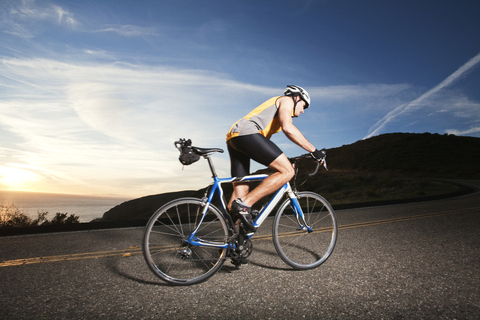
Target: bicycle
point(187, 240)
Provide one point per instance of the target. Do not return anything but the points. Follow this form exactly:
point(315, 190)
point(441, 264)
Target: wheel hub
point(186, 253)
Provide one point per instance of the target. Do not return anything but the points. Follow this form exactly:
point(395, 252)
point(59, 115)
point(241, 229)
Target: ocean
point(86, 208)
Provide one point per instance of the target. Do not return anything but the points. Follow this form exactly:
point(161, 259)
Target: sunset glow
point(12, 178)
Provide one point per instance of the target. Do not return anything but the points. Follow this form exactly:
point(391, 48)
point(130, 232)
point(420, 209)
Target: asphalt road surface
point(410, 261)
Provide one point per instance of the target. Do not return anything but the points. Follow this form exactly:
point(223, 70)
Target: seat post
point(210, 163)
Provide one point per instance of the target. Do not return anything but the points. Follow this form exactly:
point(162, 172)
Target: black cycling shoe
point(244, 213)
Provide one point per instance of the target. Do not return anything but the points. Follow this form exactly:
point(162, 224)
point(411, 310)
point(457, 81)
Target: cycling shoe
point(244, 213)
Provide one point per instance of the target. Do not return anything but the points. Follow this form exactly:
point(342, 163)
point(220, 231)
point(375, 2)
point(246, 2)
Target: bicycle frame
point(264, 213)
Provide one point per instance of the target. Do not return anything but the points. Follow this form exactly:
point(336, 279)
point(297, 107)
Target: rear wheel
point(296, 246)
point(168, 254)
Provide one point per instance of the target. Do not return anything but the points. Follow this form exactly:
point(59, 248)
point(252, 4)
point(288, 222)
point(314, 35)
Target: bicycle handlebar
point(318, 164)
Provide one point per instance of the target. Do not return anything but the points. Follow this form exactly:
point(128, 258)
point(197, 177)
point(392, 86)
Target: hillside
point(385, 167)
point(425, 155)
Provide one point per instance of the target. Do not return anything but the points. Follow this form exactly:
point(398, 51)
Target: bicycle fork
point(299, 215)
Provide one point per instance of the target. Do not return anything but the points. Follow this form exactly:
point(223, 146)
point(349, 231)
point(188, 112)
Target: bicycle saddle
point(204, 151)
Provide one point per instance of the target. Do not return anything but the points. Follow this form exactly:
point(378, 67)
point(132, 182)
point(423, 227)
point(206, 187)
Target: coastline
point(86, 207)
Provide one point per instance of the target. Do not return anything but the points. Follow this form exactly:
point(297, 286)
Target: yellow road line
point(69, 257)
point(409, 218)
point(137, 250)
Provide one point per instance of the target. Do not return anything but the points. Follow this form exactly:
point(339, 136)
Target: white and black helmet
point(296, 90)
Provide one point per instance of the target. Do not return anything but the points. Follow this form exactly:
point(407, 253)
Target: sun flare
point(12, 177)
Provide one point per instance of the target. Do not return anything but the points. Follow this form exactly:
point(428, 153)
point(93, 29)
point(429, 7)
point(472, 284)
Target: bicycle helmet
point(296, 90)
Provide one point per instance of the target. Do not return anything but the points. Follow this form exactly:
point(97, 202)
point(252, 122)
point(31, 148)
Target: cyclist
point(249, 138)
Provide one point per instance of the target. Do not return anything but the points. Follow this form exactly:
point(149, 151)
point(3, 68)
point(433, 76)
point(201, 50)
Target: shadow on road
point(114, 266)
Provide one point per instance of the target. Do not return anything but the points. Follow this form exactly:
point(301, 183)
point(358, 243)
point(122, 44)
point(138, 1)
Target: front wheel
point(166, 250)
point(298, 247)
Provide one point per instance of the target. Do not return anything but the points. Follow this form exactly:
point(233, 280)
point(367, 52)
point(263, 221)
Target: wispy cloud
point(20, 18)
point(128, 30)
point(64, 16)
point(418, 102)
point(465, 132)
point(114, 124)
point(110, 127)
point(348, 92)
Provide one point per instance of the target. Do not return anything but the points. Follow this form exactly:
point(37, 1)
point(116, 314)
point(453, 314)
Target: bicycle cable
point(295, 186)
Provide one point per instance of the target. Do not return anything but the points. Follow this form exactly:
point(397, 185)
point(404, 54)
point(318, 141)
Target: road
point(418, 260)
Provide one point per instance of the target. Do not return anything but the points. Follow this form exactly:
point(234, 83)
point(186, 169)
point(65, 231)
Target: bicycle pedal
point(238, 262)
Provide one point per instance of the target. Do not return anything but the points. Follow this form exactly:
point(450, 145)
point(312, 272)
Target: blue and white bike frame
point(264, 213)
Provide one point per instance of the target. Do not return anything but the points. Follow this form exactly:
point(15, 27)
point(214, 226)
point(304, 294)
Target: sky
point(93, 94)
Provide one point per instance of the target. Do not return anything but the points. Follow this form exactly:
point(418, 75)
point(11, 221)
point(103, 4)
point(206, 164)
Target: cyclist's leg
point(284, 173)
point(264, 151)
point(239, 167)
point(240, 190)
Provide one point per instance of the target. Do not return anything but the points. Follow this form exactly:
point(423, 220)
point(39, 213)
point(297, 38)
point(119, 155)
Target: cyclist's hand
point(319, 155)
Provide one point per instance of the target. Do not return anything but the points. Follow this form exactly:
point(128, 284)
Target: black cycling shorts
point(254, 146)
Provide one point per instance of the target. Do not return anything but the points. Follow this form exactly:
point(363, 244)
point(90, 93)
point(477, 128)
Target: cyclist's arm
point(285, 109)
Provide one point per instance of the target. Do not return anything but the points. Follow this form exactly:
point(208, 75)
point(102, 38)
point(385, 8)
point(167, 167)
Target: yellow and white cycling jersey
point(263, 119)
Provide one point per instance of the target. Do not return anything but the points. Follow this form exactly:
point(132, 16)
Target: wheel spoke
point(301, 249)
point(169, 256)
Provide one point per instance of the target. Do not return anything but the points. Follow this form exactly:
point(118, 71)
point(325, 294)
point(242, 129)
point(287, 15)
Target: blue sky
point(94, 93)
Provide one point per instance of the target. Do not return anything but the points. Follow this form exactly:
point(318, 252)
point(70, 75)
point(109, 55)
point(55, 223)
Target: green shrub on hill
point(11, 216)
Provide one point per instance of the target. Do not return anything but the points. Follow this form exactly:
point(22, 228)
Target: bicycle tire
point(298, 248)
point(168, 255)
